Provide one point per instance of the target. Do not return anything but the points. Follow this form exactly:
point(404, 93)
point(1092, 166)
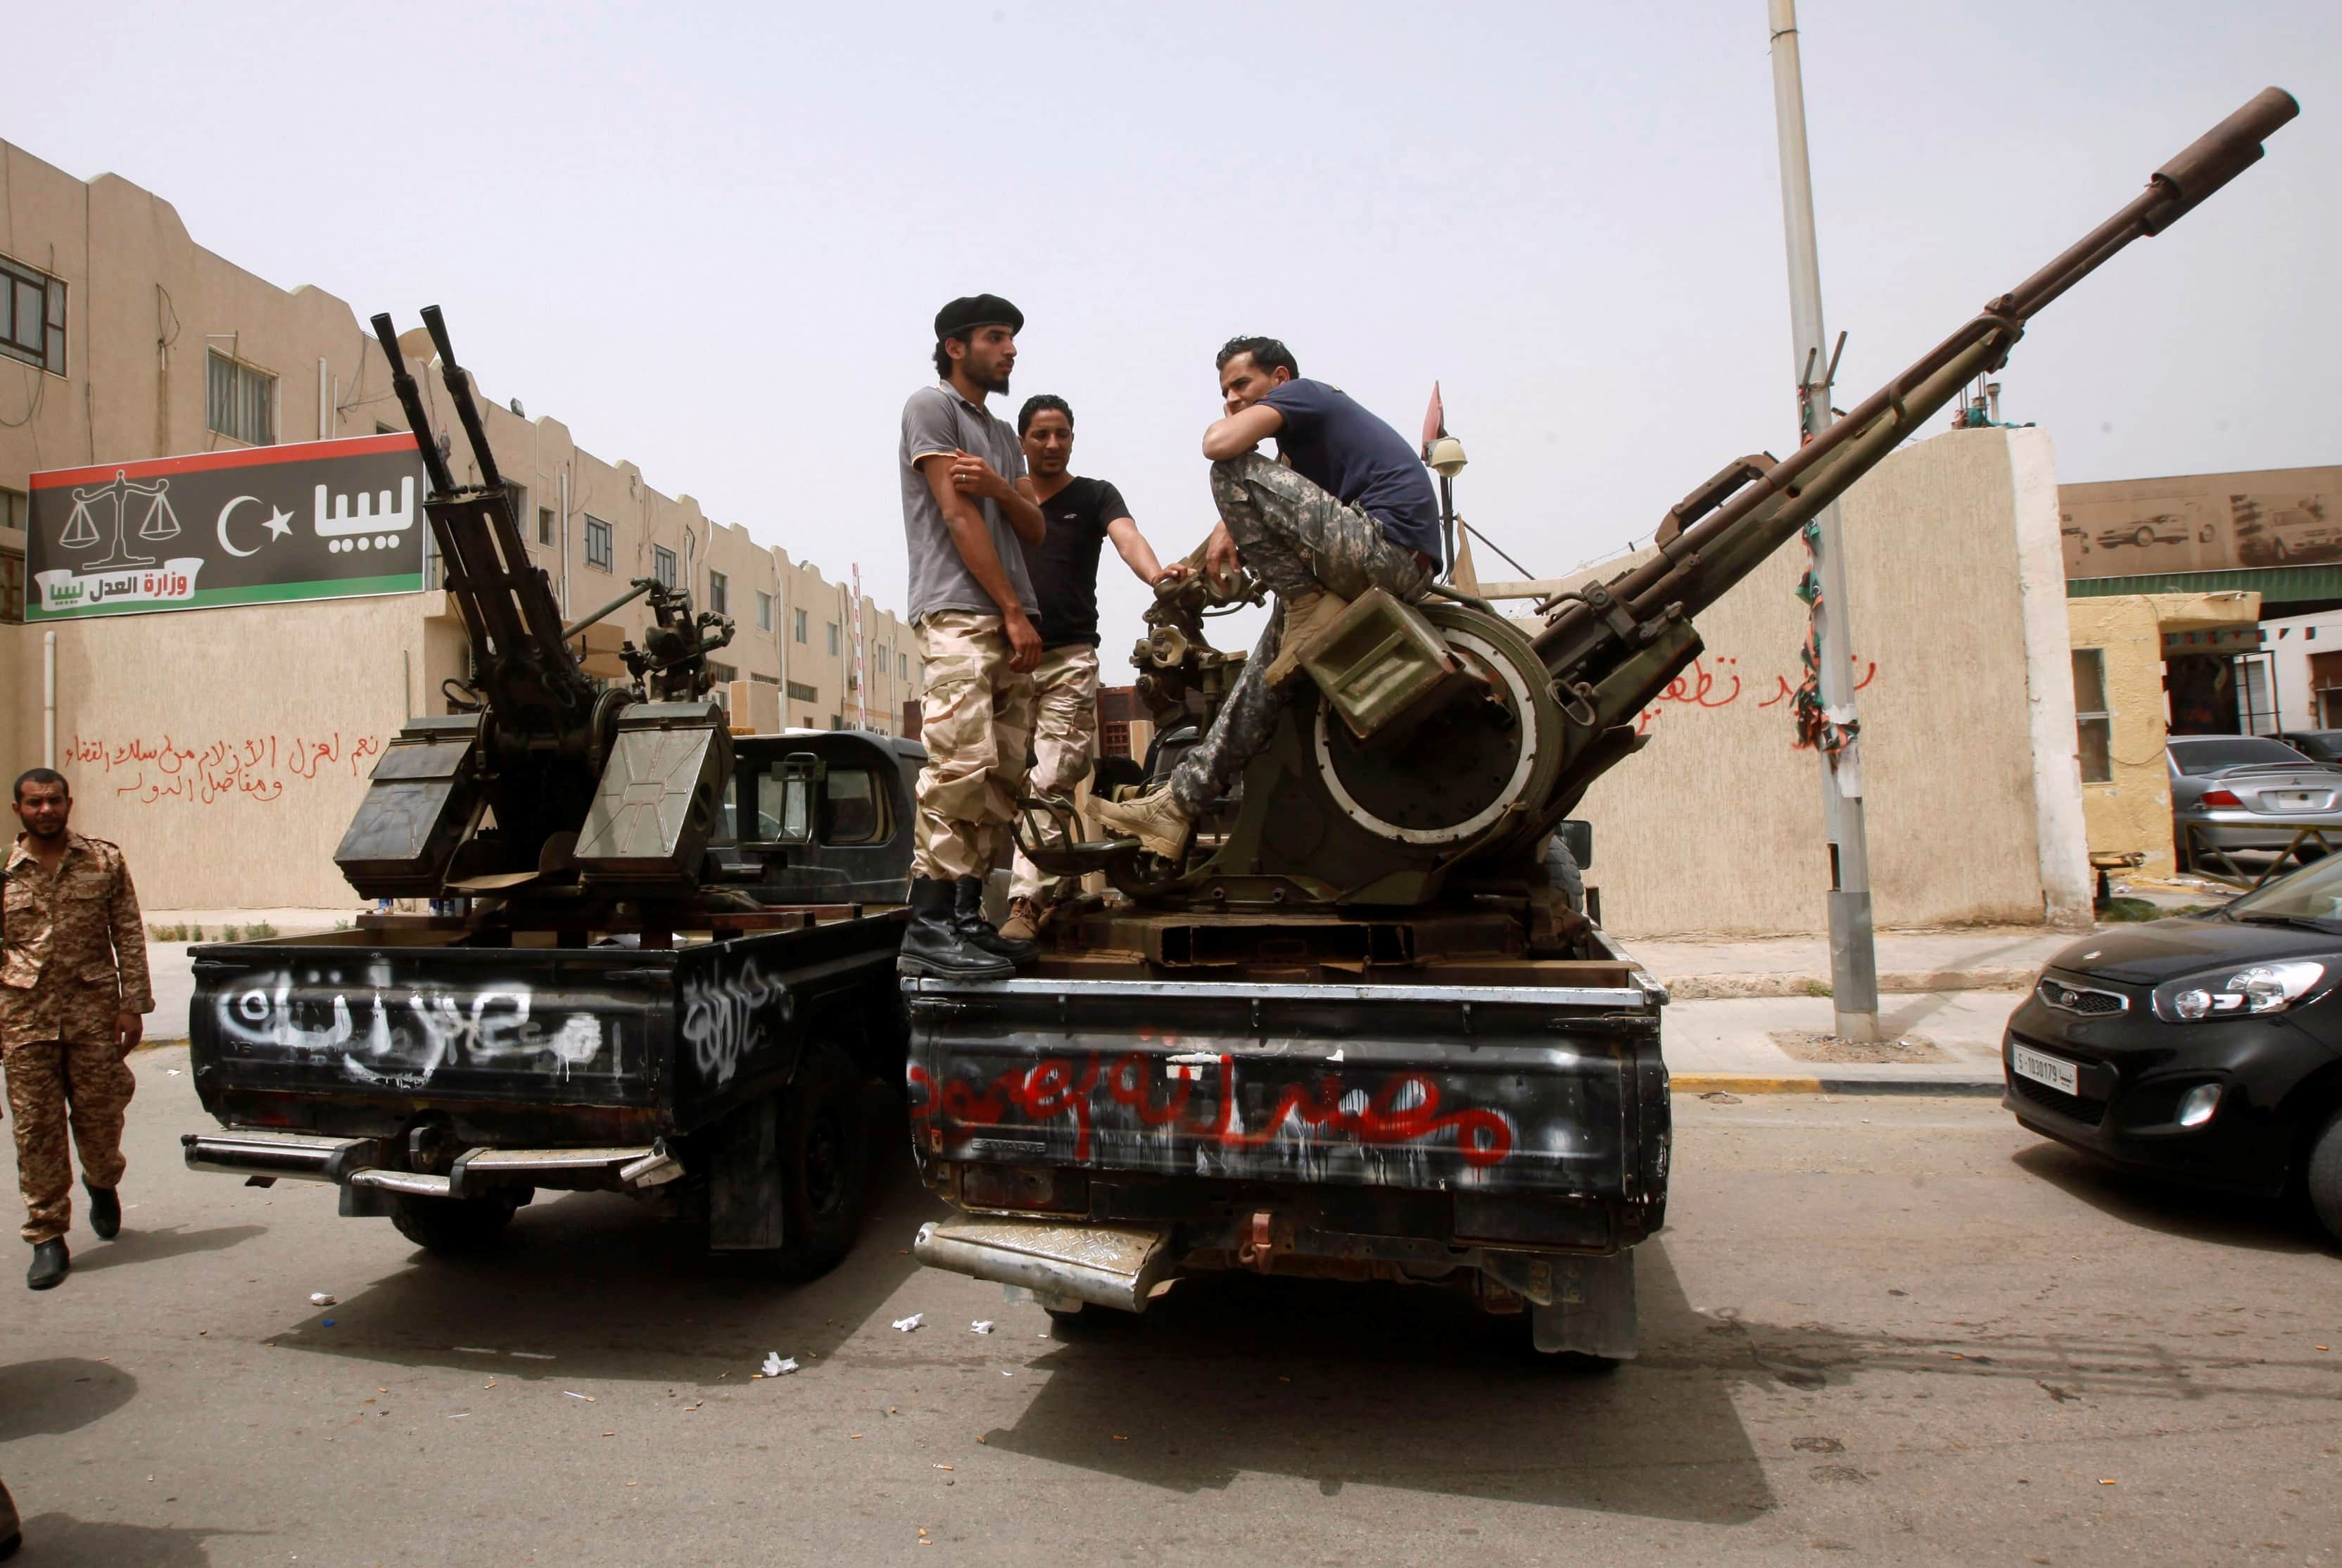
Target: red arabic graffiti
point(1704, 685)
point(1404, 1109)
point(205, 772)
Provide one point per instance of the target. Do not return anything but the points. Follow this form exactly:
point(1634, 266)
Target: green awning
point(2275, 585)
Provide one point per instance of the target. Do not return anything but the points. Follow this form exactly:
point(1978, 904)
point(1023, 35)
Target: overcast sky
point(711, 238)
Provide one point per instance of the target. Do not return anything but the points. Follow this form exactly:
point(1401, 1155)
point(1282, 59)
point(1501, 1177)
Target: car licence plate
point(2299, 798)
point(2063, 1076)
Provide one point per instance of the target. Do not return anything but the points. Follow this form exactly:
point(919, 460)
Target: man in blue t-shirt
point(1350, 508)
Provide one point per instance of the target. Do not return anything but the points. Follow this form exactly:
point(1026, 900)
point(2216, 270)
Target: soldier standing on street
point(72, 985)
point(1081, 513)
point(1351, 508)
point(967, 504)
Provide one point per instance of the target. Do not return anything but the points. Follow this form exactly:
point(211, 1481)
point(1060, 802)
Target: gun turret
point(1503, 732)
point(542, 784)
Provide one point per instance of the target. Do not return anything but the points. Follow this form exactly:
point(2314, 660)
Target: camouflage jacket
point(73, 951)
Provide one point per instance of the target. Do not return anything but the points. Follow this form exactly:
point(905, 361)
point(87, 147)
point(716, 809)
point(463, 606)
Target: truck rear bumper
point(266, 1156)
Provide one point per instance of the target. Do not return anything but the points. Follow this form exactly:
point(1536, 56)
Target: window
point(763, 610)
point(33, 316)
point(545, 524)
point(719, 593)
point(904, 661)
point(721, 675)
point(13, 509)
point(2093, 724)
point(801, 693)
point(837, 723)
point(598, 551)
point(833, 637)
point(797, 624)
point(240, 402)
point(12, 586)
point(853, 807)
point(663, 565)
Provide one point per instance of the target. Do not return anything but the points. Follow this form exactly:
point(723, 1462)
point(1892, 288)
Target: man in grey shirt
point(966, 503)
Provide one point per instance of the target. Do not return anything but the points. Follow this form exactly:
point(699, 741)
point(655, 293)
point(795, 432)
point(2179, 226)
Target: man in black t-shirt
point(1082, 514)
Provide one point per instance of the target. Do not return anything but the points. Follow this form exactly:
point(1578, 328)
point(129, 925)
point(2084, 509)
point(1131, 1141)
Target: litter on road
point(905, 1325)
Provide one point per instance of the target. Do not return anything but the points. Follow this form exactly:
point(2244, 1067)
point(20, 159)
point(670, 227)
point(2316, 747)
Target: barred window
point(599, 550)
point(31, 316)
point(239, 401)
point(12, 586)
point(801, 693)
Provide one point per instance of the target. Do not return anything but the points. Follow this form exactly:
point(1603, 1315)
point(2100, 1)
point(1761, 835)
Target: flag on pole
point(1434, 421)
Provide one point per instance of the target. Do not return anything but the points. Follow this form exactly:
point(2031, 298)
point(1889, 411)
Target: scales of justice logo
point(126, 518)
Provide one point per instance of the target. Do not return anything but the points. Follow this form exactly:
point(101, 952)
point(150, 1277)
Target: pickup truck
point(1395, 1099)
point(441, 1071)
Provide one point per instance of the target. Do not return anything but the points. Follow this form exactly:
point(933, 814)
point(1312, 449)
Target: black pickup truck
point(440, 1073)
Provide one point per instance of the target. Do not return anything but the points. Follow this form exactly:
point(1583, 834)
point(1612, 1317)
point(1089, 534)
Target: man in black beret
point(967, 508)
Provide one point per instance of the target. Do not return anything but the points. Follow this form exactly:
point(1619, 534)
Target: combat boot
point(104, 1212)
point(967, 915)
point(1155, 820)
point(934, 947)
point(12, 1535)
point(50, 1261)
point(1308, 618)
point(1024, 923)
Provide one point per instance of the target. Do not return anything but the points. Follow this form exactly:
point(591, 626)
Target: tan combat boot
point(1308, 618)
point(1024, 922)
point(1155, 820)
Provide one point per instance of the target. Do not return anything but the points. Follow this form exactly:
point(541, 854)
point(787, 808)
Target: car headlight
point(2261, 988)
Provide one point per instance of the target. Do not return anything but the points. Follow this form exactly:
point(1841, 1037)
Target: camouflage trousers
point(54, 1084)
point(1297, 539)
point(1064, 739)
point(977, 722)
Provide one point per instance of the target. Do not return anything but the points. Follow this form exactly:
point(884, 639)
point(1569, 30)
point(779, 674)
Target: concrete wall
point(1967, 722)
point(147, 304)
point(2293, 642)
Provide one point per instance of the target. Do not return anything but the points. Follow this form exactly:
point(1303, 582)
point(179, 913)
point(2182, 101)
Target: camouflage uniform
point(1065, 738)
point(976, 720)
point(74, 954)
point(1297, 539)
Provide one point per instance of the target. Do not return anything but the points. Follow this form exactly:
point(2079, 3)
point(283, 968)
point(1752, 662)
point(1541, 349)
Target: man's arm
point(1016, 499)
point(1139, 555)
point(973, 540)
point(1240, 432)
point(129, 935)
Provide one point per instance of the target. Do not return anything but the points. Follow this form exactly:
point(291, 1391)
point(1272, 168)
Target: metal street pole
point(1854, 959)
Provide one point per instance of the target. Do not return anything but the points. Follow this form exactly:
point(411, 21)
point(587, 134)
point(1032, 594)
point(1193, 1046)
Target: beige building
point(226, 748)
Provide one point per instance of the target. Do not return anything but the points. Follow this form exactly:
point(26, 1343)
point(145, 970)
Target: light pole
point(1854, 959)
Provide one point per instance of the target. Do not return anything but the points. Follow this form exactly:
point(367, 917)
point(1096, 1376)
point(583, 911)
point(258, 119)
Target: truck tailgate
point(1533, 1089)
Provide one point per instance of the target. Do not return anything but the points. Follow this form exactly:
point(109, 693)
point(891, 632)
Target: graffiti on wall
point(152, 770)
point(1715, 681)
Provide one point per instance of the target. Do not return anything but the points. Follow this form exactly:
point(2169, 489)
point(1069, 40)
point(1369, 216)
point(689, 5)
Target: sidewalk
point(1992, 958)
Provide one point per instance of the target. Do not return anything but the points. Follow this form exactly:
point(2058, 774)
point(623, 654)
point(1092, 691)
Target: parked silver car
point(2248, 792)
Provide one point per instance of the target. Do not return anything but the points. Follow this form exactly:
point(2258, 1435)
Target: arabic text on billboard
point(316, 520)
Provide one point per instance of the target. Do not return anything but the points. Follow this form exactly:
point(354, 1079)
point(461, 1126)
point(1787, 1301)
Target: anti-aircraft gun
point(542, 789)
point(1348, 1032)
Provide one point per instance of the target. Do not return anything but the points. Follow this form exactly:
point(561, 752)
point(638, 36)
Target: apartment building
point(122, 339)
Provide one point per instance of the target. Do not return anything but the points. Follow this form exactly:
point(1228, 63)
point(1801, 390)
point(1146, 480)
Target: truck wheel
point(1563, 871)
point(455, 1225)
point(824, 1151)
point(2323, 1177)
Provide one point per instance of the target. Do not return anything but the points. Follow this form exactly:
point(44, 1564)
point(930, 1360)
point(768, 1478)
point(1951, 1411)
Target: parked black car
point(2317, 745)
point(2206, 1049)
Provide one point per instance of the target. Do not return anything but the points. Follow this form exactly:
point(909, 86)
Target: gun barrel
point(1697, 563)
point(410, 398)
point(642, 586)
point(459, 388)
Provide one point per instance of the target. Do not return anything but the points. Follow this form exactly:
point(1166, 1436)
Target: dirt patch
point(1805, 1045)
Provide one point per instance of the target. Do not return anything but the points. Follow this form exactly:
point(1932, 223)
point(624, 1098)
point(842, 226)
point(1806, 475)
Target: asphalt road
point(1881, 1331)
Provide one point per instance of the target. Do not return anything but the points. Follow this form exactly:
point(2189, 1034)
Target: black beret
point(967, 314)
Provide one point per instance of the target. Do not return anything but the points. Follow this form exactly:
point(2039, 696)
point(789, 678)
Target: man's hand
point(1220, 558)
point(1023, 643)
point(128, 1029)
point(974, 476)
point(1177, 572)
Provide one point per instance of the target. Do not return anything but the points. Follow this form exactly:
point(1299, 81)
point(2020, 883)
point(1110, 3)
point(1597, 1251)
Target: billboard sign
point(314, 520)
point(2202, 522)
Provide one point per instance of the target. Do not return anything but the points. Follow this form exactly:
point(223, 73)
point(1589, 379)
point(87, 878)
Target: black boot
point(934, 945)
point(967, 914)
point(11, 1534)
point(104, 1212)
point(50, 1261)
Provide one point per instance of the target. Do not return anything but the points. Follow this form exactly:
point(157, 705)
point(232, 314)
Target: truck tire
point(455, 1225)
point(824, 1151)
point(1562, 871)
point(2322, 1177)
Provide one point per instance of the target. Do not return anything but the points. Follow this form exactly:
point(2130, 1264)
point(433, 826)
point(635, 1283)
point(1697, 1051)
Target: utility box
point(419, 804)
point(660, 796)
point(755, 707)
point(1384, 666)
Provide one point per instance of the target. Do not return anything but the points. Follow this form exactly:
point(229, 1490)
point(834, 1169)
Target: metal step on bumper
point(264, 1157)
point(1057, 1261)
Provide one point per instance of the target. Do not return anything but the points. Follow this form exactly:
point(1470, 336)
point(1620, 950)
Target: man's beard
point(997, 385)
